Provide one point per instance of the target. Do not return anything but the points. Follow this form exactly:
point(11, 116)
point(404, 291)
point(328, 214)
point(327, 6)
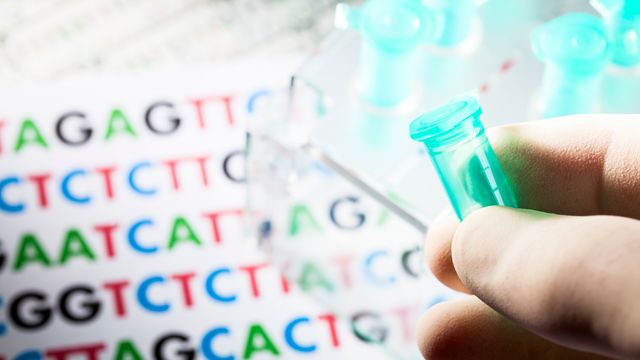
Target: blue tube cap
point(577, 43)
point(446, 123)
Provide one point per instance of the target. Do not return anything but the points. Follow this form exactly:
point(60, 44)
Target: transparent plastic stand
point(622, 95)
point(341, 197)
point(336, 242)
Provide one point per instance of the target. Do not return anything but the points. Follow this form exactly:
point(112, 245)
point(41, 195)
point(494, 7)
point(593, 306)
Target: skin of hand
point(558, 278)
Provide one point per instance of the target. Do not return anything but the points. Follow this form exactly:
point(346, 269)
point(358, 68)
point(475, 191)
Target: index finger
point(578, 165)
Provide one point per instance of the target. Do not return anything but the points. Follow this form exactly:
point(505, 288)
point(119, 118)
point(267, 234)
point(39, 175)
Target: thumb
point(574, 280)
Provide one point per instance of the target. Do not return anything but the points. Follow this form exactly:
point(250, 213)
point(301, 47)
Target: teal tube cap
point(623, 21)
point(576, 43)
point(444, 124)
point(393, 26)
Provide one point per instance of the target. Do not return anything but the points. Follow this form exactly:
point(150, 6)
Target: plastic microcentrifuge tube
point(623, 21)
point(576, 50)
point(392, 32)
point(465, 161)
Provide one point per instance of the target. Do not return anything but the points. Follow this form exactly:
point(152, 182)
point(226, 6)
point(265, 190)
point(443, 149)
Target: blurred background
point(51, 39)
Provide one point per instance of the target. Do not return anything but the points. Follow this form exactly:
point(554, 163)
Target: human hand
point(563, 286)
